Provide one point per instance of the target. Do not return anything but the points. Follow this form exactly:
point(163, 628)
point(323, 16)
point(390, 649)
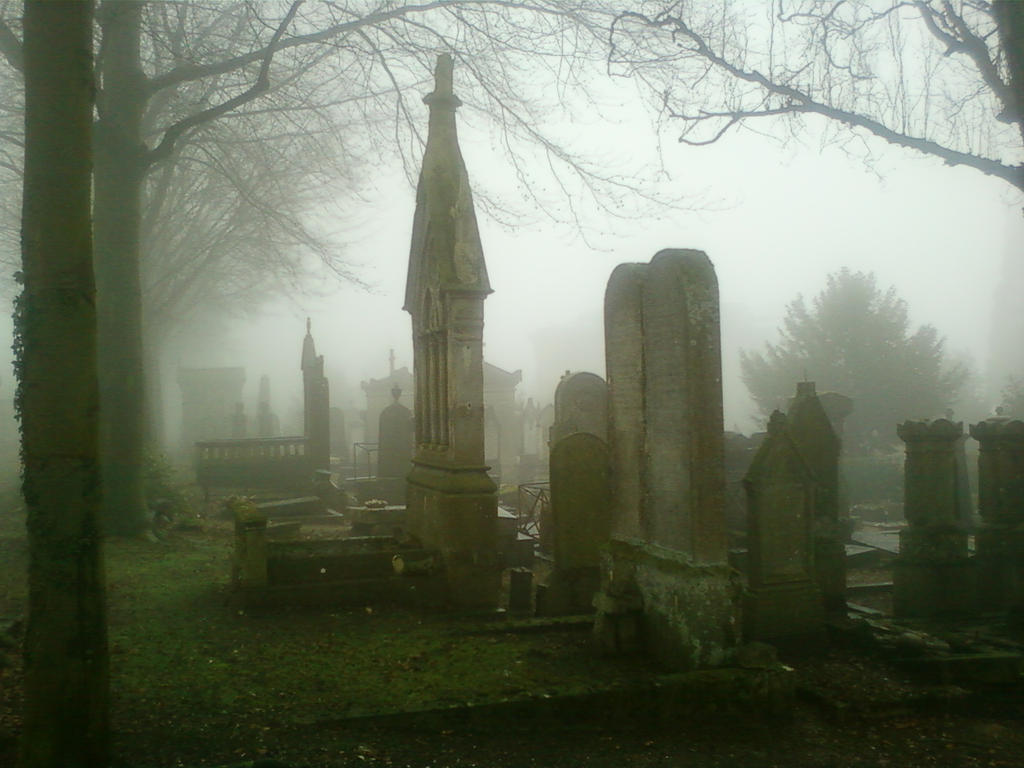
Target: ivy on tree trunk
point(66, 718)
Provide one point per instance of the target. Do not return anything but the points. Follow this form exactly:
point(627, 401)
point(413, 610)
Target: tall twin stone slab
point(999, 542)
point(666, 585)
point(451, 500)
point(783, 602)
point(932, 574)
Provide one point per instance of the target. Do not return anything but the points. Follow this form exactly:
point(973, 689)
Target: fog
point(780, 217)
point(775, 218)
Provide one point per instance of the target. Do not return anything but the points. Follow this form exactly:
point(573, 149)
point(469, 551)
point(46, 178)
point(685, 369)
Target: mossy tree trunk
point(66, 720)
point(119, 176)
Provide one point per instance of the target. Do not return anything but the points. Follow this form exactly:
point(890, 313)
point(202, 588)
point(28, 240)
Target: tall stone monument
point(451, 500)
point(932, 573)
point(666, 585)
point(316, 404)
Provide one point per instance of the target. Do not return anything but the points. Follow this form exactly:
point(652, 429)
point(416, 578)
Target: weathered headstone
point(812, 431)
point(783, 601)
point(999, 542)
point(932, 574)
point(580, 519)
point(666, 583)
point(316, 404)
point(394, 454)
point(581, 405)
point(452, 502)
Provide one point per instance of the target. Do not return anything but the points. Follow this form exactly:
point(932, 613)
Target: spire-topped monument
point(452, 505)
point(446, 252)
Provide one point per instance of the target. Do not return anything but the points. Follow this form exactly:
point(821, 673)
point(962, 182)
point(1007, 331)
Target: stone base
point(653, 599)
point(781, 612)
point(932, 574)
point(999, 561)
point(568, 592)
point(455, 512)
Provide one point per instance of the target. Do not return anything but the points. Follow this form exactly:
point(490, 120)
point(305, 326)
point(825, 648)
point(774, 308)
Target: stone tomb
point(666, 585)
point(782, 601)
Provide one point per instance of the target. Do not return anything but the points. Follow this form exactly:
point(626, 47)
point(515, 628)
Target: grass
point(195, 677)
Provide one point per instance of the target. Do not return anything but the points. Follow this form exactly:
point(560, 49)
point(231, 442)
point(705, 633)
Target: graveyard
point(613, 579)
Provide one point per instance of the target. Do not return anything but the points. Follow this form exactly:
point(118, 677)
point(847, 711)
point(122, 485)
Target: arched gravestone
point(579, 523)
point(396, 432)
point(581, 405)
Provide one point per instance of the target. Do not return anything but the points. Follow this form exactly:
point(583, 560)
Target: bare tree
point(66, 719)
point(942, 77)
point(172, 75)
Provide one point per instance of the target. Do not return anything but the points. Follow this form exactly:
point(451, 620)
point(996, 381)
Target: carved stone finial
point(309, 325)
point(444, 95)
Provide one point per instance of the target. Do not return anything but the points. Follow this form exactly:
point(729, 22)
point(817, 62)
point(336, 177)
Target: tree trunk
point(117, 207)
point(66, 718)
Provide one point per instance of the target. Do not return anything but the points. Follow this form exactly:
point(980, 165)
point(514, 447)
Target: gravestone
point(932, 574)
point(580, 521)
point(999, 542)
point(783, 601)
point(452, 502)
point(394, 454)
point(581, 405)
point(666, 585)
point(316, 404)
point(812, 431)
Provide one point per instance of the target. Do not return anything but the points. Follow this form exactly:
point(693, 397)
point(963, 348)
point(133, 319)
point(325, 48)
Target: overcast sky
point(775, 219)
point(781, 217)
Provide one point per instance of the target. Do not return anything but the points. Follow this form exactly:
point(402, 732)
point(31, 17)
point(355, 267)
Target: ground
point(198, 682)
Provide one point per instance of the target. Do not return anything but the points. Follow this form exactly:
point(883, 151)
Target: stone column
point(932, 573)
point(999, 543)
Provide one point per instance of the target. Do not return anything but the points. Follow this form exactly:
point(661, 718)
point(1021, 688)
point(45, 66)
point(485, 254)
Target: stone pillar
point(812, 431)
point(783, 601)
point(999, 543)
point(451, 500)
point(932, 573)
point(666, 585)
